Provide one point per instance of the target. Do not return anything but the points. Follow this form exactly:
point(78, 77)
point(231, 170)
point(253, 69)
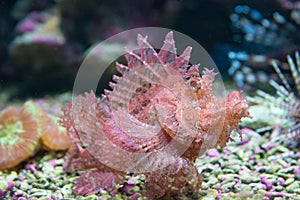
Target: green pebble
point(58, 195)
point(117, 197)
point(272, 158)
point(257, 186)
point(206, 168)
point(287, 170)
point(223, 163)
point(279, 188)
point(273, 169)
point(290, 188)
point(281, 162)
point(282, 175)
point(243, 195)
point(214, 160)
point(276, 149)
point(249, 179)
point(217, 171)
point(235, 161)
point(3, 185)
point(59, 161)
point(248, 165)
point(227, 177)
point(297, 190)
point(51, 187)
point(257, 197)
point(30, 176)
point(103, 192)
point(142, 177)
point(227, 187)
point(67, 189)
point(213, 180)
point(12, 176)
point(228, 171)
point(24, 186)
point(205, 186)
point(93, 197)
point(135, 189)
point(226, 198)
point(289, 181)
point(245, 187)
point(271, 178)
point(235, 168)
point(205, 175)
point(292, 162)
point(261, 192)
point(41, 193)
point(211, 193)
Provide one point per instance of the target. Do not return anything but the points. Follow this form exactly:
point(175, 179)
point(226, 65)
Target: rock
point(287, 170)
point(24, 186)
point(290, 188)
point(5, 186)
point(213, 180)
point(289, 181)
point(245, 187)
point(67, 189)
point(272, 169)
point(279, 188)
point(228, 171)
point(235, 168)
point(258, 186)
point(282, 175)
point(261, 192)
point(227, 187)
point(227, 177)
point(249, 179)
point(210, 194)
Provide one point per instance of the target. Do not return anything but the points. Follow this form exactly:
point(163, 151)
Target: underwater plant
point(285, 104)
point(24, 130)
point(159, 117)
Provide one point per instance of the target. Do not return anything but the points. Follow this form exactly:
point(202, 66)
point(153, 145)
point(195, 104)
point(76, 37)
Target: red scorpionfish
point(159, 117)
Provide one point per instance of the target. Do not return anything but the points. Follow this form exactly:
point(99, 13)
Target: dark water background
point(32, 70)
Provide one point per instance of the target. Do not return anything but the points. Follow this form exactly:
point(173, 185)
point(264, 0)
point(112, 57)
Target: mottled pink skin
point(167, 102)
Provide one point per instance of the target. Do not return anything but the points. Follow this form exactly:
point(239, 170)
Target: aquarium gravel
point(251, 169)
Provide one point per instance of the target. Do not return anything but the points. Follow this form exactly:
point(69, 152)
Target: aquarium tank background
point(153, 99)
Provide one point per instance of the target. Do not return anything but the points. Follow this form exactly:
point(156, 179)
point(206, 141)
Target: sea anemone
point(19, 136)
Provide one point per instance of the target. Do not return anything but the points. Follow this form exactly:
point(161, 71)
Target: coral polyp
point(54, 136)
point(160, 115)
point(19, 136)
point(24, 130)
